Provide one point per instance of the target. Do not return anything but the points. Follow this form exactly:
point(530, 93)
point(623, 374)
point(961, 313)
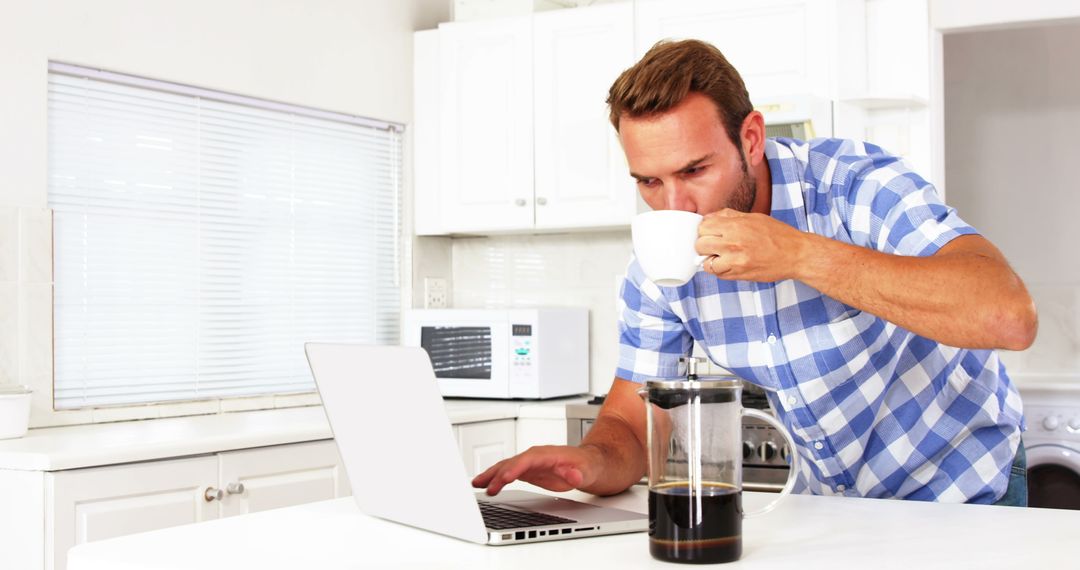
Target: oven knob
point(767, 450)
point(1050, 423)
point(785, 454)
point(747, 450)
point(1074, 425)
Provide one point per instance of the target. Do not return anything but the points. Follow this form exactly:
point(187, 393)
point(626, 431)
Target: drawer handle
point(235, 488)
point(213, 494)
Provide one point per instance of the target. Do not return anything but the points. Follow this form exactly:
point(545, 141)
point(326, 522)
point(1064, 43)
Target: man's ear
point(753, 137)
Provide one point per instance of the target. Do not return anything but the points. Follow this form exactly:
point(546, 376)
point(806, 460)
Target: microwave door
point(469, 358)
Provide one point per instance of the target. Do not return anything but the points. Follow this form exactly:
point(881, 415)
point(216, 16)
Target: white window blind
point(201, 238)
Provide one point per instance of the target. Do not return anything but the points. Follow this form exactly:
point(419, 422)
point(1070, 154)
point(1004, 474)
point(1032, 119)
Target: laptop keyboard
point(500, 518)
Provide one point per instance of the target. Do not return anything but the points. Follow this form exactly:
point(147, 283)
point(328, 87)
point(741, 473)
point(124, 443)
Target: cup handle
point(793, 473)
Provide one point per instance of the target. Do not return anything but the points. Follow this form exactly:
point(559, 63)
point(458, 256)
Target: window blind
point(200, 238)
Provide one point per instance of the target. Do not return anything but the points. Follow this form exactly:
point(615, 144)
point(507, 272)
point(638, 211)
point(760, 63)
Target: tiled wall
point(580, 269)
point(26, 301)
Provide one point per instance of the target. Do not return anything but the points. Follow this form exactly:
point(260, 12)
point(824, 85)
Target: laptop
point(395, 439)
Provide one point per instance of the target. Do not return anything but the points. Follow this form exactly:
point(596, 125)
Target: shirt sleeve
point(651, 335)
point(894, 210)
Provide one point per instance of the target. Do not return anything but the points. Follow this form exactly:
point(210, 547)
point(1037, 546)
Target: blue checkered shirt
point(875, 410)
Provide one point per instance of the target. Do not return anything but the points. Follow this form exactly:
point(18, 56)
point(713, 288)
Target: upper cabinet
point(780, 47)
point(581, 176)
point(523, 138)
point(511, 130)
point(486, 126)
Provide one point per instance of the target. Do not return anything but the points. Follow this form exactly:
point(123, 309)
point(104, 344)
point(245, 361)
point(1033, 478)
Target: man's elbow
point(1017, 323)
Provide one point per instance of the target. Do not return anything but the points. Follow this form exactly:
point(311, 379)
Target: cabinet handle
point(235, 488)
point(213, 494)
point(519, 202)
point(541, 201)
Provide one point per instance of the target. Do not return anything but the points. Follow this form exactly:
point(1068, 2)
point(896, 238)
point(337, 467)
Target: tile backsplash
point(584, 269)
point(26, 291)
point(580, 269)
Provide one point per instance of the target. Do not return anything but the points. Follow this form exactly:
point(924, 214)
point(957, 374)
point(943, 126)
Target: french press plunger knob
point(691, 365)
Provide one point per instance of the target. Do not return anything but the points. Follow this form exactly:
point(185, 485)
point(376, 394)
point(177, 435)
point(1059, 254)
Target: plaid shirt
point(875, 410)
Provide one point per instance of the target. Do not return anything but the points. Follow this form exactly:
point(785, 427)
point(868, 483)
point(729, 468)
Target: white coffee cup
point(664, 245)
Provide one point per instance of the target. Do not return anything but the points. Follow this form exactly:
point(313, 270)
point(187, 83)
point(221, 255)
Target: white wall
point(351, 56)
point(1012, 115)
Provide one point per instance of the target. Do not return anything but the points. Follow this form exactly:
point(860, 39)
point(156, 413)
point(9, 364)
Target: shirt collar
point(788, 203)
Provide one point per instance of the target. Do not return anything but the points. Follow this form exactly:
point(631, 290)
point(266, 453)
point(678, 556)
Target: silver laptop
point(395, 439)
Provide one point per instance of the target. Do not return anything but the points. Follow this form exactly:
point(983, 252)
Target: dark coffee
point(699, 528)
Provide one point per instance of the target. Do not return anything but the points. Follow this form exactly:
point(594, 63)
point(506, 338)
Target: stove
point(765, 453)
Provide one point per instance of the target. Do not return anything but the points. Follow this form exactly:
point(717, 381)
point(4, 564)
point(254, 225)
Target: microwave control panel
point(522, 350)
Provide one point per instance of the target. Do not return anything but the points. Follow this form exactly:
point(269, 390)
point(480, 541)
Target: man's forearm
point(965, 296)
point(620, 453)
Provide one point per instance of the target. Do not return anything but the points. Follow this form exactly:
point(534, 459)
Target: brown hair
point(669, 72)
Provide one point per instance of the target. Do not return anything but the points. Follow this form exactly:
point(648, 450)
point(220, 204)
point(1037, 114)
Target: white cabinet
point(486, 126)
point(281, 476)
point(84, 505)
point(582, 179)
point(524, 142)
point(780, 47)
point(104, 502)
point(483, 444)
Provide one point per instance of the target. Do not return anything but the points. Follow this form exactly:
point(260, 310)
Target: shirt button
point(841, 488)
point(772, 339)
point(792, 400)
point(819, 445)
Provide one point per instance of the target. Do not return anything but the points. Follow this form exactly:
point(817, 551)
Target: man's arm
point(965, 295)
point(609, 460)
point(618, 435)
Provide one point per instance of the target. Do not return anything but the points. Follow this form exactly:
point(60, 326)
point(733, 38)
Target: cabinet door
point(581, 174)
point(105, 502)
point(484, 444)
point(486, 155)
point(281, 476)
point(780, 47)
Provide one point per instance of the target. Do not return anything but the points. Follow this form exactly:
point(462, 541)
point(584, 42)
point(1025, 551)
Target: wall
point(1012, 113)
point(581, 269)
point(351, 56)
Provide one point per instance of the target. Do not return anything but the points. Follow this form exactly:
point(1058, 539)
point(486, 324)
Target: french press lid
point(711, 389)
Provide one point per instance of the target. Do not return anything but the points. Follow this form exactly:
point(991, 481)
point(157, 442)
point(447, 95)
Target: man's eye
point(647, 182)
point(693, 170)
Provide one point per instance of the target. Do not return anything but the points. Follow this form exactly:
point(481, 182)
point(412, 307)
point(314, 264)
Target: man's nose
point(677, 198)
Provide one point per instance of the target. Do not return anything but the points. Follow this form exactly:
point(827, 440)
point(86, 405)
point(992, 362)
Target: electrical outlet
point(435, 293)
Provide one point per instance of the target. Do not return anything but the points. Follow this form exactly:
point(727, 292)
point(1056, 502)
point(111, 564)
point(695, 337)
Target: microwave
point(800, 116)
point(504, 353)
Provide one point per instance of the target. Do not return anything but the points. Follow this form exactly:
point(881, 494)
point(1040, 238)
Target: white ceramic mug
point(664, 245)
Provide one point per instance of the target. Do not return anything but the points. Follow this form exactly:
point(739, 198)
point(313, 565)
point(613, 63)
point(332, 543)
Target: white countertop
point(73, 447)
point(805, 532)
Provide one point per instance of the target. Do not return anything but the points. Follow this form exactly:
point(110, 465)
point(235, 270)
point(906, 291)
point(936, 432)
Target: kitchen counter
point(804, 532)
point(73, 447)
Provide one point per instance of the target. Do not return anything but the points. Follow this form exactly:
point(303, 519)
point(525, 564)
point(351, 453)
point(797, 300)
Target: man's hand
point(553, 467)
point(608, 461)
point(751, 247)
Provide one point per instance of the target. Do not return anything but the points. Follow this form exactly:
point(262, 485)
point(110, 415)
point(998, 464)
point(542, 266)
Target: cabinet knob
point(213, 494)
point(541, 201)
point(519, 202)
point(236, 488)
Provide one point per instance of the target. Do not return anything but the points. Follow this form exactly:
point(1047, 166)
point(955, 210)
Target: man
point(836, 279)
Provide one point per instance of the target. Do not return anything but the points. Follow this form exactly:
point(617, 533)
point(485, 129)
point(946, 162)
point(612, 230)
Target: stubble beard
point(745, 194)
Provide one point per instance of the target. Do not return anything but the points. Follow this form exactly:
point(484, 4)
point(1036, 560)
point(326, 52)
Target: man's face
point(684, 160)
